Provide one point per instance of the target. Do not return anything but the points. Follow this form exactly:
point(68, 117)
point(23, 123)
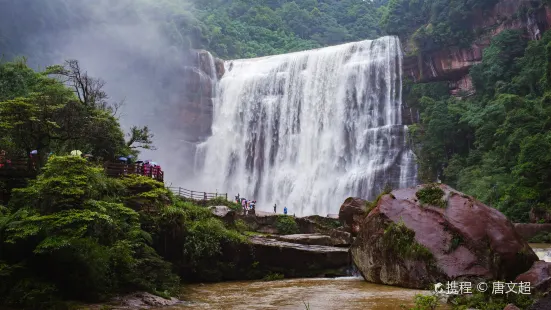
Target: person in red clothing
point(2, 158)
point(146, 169)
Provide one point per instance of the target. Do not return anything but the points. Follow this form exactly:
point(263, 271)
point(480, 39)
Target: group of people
point(6, 162)
point(143, 167)
point(248, 205)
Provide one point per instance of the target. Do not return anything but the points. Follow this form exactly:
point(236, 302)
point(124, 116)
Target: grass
point(273, 277)
point(370, 205)
point(431, 195)
point(402, 241)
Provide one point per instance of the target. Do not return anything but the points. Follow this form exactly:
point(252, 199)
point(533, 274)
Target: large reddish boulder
point(351, 213)
point(419, 236)
point(539, 276)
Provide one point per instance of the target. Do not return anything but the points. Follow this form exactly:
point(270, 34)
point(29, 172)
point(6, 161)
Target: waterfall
point(306, 130)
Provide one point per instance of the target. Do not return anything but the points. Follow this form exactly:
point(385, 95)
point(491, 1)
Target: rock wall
point(530, 230)
point(453, 64)
point(195, 99)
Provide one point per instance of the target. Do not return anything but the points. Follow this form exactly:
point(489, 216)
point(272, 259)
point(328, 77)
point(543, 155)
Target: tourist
point(33, 158)
point(237, 198)
point(146, 169)
point(285, 210)
point(275, 206)
point(251, 206)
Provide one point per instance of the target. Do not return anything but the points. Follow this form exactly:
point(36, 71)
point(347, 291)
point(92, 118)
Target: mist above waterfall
point(307, 130)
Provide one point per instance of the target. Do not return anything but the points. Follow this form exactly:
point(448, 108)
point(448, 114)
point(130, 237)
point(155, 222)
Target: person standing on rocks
point(285, 210)
point(275, 206)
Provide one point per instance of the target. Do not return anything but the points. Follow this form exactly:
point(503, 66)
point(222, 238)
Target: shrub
point(432, 195)
point(241, 226)
point(286, 225)
point(74, 231)
point(489, 301)
point(425, 302)
point(273, 276)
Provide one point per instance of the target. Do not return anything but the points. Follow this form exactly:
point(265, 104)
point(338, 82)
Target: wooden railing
point(186, 193)
point(122, 169)
point(19, 167)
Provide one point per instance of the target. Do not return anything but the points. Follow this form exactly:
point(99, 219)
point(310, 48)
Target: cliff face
point(196, 95)
point(453, 64)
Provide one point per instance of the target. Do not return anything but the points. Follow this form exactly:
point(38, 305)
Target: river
point(347, 293)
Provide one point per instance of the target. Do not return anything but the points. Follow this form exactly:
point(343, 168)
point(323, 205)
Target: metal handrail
point(197, 195)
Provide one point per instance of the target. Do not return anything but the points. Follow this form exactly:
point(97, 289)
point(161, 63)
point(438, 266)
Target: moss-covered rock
point(431, 195)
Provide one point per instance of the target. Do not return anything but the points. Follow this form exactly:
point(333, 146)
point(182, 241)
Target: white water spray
point(306, 130)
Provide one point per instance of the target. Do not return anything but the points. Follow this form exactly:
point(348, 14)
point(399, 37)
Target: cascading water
point(306, 130)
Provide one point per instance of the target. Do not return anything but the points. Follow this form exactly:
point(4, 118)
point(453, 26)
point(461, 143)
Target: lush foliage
point(72, 232)
point(286, 225)
point(494, 145)
point(249, 28)
point(39, 112)
point(433, 24)
point(68, 235)
point(425, 302)
point(490, 301)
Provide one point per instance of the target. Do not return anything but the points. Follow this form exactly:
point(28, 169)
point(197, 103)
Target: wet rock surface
point(541, 304)
point(315, 239)
point(300, 260)
point(139, 300)
point(460, 239)
point(265, 222)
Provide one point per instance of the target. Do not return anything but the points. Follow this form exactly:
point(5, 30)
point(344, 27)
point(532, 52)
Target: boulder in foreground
point(351, 213)
point(416, 237)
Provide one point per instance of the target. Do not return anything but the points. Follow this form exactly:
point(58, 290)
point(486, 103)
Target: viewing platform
point(18, 168)
point(121, 169)
point(27, 168)
point(196, 195)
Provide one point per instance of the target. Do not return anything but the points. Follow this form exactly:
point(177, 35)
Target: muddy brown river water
point(347, 293)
